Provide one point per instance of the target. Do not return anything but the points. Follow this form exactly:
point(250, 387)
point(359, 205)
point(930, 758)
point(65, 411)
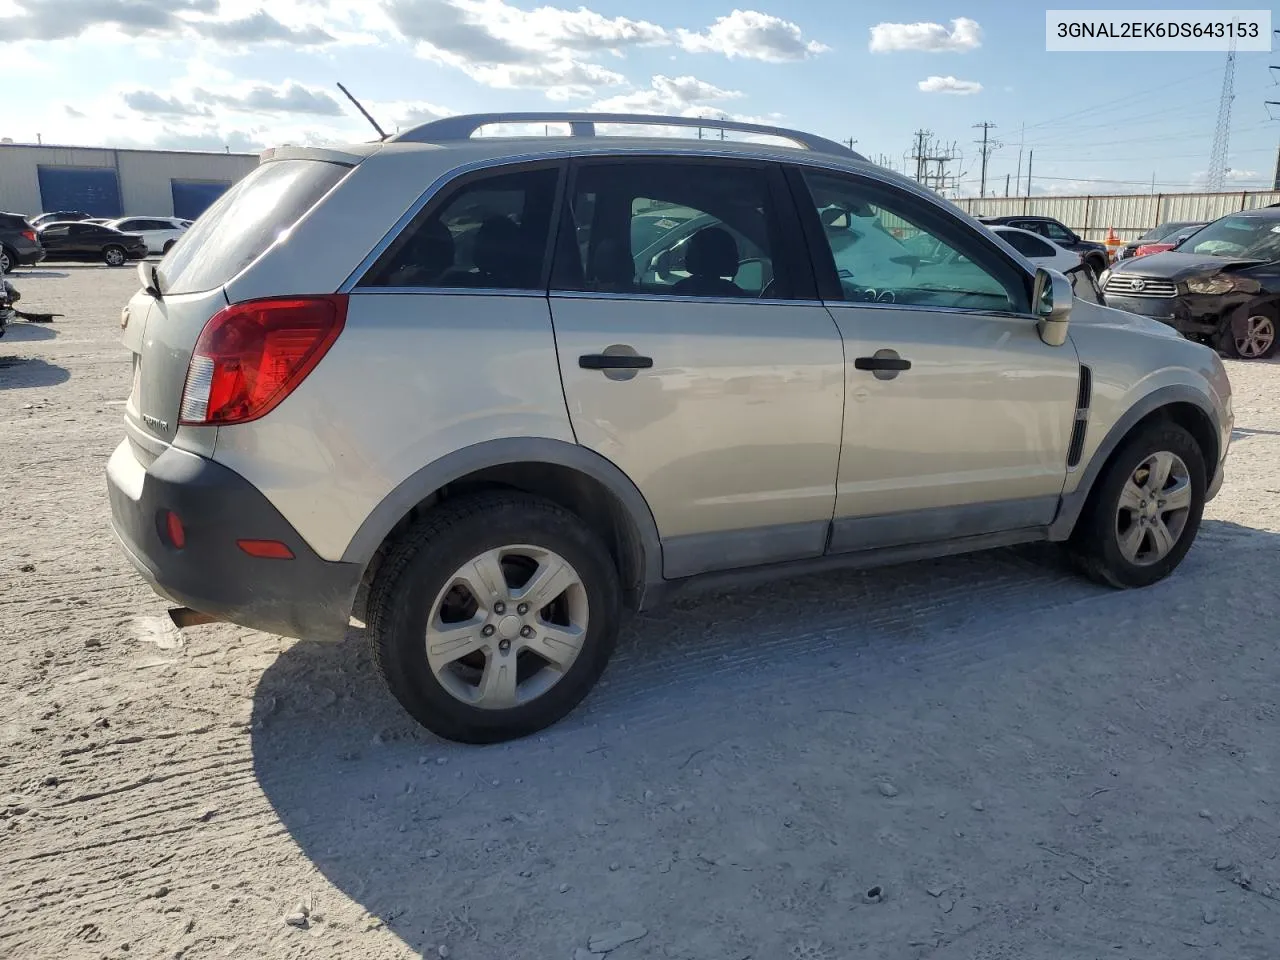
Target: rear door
point(243, 223)
point(707, 372)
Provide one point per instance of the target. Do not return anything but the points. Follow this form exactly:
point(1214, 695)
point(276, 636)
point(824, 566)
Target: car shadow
point(35, 273)
point(22, 331)
point(372, 799)
point(20, 372)
point(1241, 432)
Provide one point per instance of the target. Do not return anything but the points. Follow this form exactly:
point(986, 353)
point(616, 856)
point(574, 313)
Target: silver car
point(508, 390)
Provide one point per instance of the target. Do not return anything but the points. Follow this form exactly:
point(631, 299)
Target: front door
point(704, 367)
point(958, 416)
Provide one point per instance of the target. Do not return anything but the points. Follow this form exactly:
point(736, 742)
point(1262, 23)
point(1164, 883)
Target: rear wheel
point(168, 245)
point(8, 260)
point(113, 256)
point(1096, 263)
point(1250, 335)
point(1145, 510)
point(494, 616)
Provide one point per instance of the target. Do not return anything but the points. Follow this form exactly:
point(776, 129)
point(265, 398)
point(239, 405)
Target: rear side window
point(491, 232)
point(244, 221)
point(672, 228)
point(1025, 245)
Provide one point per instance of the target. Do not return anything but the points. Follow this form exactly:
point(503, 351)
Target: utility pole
point(988, 147)
point(931, 161)
point(1006, 184)
point(1031, 156)
point(1022, 137)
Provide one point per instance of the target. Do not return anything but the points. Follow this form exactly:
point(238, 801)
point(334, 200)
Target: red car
point(1168, 242)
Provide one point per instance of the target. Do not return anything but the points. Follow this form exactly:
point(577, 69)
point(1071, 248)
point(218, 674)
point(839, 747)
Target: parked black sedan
point(90, 242)
point(1221, 286)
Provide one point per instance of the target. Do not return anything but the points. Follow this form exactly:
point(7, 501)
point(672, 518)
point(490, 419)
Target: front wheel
point(1145, 509)
point(494, 616)
point(113, 256)
point(1250, 335)
point(1097, 265)
point(7, 261)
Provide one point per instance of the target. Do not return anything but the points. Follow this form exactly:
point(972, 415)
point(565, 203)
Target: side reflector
point(174, 530)
point(266, 549)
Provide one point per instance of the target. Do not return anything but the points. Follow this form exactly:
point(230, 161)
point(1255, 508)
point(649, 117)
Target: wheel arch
point(1180, 404)
point(576, 478)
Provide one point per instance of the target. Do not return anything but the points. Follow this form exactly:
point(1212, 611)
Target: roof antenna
point(382, 134)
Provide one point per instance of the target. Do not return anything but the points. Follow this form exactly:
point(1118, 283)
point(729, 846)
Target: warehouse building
point(35, 178)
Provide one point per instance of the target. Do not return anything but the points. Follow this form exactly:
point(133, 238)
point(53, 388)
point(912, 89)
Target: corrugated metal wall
point(145, 176)
point(1130, 214)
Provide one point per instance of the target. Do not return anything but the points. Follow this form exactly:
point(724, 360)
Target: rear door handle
point(896, 364)
point(614, 361)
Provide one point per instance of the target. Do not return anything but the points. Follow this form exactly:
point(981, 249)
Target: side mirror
point(1051, 300)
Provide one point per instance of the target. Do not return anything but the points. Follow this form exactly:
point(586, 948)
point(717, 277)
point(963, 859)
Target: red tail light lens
point(29, 235)
point(250, 356)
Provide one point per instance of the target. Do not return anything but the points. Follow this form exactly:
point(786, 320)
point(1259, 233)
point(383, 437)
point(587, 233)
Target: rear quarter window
point(244, 222)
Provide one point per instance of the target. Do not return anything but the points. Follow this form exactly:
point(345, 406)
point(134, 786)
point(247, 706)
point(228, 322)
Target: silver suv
point(504, 390)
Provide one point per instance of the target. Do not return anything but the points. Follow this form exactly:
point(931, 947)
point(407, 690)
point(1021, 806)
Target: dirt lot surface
point(983, 757)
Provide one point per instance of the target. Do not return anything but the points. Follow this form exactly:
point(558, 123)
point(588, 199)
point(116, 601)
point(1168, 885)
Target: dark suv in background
point(1093, 254)
point(19, 245)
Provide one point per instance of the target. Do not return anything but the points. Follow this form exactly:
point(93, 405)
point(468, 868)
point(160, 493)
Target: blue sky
point(244, 74)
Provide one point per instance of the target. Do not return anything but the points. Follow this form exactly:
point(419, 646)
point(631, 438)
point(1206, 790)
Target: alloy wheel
point(1258, 336)
point(507, 626)
point(1154, 505)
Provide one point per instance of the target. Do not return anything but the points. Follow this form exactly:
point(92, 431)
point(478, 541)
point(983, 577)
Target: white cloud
point(949, 85)
point(671, 96)
point(753, 36)
point(964, 35)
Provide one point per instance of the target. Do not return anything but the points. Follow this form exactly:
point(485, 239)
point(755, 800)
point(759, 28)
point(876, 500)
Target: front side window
point(671, 228)
point(489, 233)
point(892, 250)
point(1056, 231)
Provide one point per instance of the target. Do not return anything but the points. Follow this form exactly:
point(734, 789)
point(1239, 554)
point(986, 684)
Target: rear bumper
point(306, 597)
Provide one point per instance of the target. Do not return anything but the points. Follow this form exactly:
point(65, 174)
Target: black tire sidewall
point(407, 602)
point(13, 261)
point(1097, 540)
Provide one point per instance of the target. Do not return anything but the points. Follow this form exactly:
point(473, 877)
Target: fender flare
point(494, 453)
point(1072, 504)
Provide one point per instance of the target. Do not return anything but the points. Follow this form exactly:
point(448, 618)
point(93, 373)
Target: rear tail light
point(29, 235)
point(250, 356)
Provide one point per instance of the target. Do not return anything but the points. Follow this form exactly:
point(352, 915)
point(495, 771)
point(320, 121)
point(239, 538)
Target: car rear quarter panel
point(1133, 361)
point(413, 377)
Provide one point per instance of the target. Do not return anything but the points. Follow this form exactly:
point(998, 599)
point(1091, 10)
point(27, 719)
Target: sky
point(243, 75)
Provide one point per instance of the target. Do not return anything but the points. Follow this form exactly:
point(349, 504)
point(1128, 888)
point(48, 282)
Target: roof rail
point(584, 125)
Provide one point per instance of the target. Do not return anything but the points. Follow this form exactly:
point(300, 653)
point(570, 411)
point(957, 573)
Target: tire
point(1096, 264)
point(422, 584)
point(1098, 544)
point(1257, 338)
point(168, 245)
point(114, 256)
point(8, 260)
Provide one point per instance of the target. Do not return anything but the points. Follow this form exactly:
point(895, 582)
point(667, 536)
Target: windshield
point(1252, 238)
point(244, 221)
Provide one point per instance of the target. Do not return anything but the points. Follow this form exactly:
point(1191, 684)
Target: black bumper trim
point(306, 597)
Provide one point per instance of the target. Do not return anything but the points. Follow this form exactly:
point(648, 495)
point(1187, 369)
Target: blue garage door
point(95, 190)
point(193, 197)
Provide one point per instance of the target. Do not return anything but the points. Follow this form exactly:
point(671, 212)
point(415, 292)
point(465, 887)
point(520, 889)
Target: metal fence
point(1130, 215)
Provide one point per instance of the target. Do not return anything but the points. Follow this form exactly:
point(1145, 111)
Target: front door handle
point(614, 361)
point(884, 364)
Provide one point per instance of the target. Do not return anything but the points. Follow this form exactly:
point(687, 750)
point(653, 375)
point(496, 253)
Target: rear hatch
point(185, 289)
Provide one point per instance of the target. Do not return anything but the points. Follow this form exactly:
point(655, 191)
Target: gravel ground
point(982, 757)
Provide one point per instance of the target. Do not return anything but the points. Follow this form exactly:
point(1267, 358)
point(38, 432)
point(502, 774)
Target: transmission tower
point(1222, 134)
point(931, 159)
